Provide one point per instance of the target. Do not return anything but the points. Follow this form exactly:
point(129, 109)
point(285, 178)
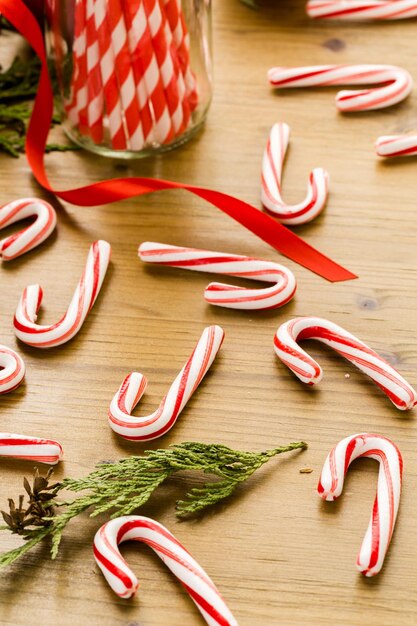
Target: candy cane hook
point(30, 448)
point(82, 301)
point(123, 581)
point(384, 513)
point(397, 83)
point(401, 394)
point(271, 190)
point(31, 236)
point(163, 419)
point(220, 294)
point(362, 10)
point(12, 369)
point(396, 146)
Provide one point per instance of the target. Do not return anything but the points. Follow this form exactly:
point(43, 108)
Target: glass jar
point(134, 76)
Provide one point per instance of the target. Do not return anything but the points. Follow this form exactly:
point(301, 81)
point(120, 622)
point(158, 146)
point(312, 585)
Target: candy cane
point(271, 192)
point(396, 146)
point(30, 448)
point(82, 301)
point(12, 369)
point(163, 419)
point(220, 294)
point(123, 581)
point(31, 236)
point(362, 10)
point(397, 83)
point(401, 394)
point(384, 513)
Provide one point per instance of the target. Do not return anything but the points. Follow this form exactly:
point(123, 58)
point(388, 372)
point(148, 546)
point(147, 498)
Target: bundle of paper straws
point(132, 84)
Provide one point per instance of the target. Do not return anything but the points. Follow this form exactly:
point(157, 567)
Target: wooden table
point(277, 553)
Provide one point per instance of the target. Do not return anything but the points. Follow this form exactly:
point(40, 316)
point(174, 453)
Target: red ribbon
point(106, 191)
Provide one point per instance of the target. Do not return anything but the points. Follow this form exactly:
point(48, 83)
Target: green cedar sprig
point(126, 485)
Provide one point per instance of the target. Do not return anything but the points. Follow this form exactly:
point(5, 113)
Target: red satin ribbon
point(106, 191)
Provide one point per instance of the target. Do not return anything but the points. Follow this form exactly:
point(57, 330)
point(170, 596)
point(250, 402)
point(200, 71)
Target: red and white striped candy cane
point(271, 192)
point(384, 512)
point(163, 419)
point(140, 40)
point(401, 394)
point(12, 369)
point(124, 74)
point(123, 581)
point(219, 294)
point(31, 236)
point(110, 85)
point(88, 288)
point(94, 82)
point(397, 83)
point(30, 448)
point(362, 10)
point(396, 146)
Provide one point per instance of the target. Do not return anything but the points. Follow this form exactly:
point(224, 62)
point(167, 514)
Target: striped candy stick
point(94, 82)
point(110, 84)
point(163, 419)
point(77, 107)
point(123, 581)
point(85, 295)
point(398, 390)
point(30, 448)
point(396, 83)
point(384, 513)
point(362, 10)
point(396, 146)
point(181, 37)
point(139, 38)
point(220, 294)
point(271, 190)
point(156, 21)
point(12, 369)
point(31, 236)
point(124, 74)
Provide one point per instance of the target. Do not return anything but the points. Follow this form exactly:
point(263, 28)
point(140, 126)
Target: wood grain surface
point(277, 553)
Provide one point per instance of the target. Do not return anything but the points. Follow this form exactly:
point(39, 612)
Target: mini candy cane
point(29, 237)
point(12, 369)
point(362, 10)
point(396, 146)
point(82, 301)
point(271, 192)
point(163, 419)
point(220, 294)
point(384, 513)
point(401, 394)
point(124, 582)
point(397, 83)
point(30, 448)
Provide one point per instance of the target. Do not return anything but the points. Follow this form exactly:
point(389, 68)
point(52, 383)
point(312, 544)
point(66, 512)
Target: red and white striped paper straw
point(384, 511)
point(94, 82)
point(123, 581)
point(30, 448)
point(271, 191)
point(219, 294)
point(163, 419)
point(362, 10)
point(12, 369)
point(30, 237)
point(78, 104)
point(398, 390)
point(396, 83)
point(85, 295)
